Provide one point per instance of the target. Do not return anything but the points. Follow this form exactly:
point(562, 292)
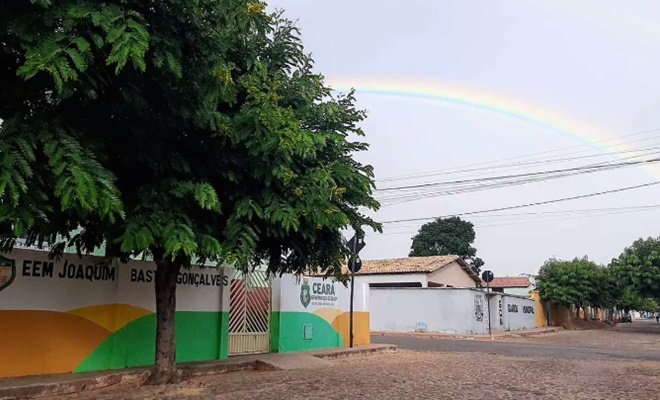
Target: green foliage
point(446, 236)
point(577, 282)
point(638, 267)
point(195, 130)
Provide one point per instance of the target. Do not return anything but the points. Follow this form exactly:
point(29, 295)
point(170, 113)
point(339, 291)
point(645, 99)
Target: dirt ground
point(421, 375)
point(640, 335)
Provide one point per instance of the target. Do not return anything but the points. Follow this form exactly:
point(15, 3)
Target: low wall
point(519, 313)
point(313, 313)
point(447, 310)
point(74, 315)
point(540, 311)
point(442, 310)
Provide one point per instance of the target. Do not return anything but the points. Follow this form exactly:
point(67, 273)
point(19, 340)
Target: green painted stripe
point(287, 332)
point(199, 337)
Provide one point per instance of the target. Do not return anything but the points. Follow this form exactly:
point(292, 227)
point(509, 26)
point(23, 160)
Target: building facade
point(77, 314)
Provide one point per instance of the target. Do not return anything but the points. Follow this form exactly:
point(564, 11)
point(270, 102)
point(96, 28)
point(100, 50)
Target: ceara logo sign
point(305, 295)
point(7, 272)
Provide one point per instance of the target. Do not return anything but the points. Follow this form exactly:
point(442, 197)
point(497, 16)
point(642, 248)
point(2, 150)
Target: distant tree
point(638, 267)
point(447, 236)
point(578, 282)
point(189, 131)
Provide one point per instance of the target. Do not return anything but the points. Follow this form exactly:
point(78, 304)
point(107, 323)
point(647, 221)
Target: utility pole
point(487, 276)
point(354, 264)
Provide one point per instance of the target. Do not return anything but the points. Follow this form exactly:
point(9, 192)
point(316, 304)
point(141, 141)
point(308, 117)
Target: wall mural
point(478, 307)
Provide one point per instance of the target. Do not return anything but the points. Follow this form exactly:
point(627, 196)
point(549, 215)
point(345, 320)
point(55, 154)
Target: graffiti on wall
point(478, 308)
point(501, 312)
point(512, 308)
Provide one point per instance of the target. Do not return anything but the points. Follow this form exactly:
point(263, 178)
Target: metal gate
point(249, 313)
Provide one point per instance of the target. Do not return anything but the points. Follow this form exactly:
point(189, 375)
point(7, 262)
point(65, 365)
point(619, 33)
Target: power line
point(527, 164)
point(531, 204)
point(528, 174)
point(529, 221)
point(488, 218)
point(453, 171)
point(398, 198)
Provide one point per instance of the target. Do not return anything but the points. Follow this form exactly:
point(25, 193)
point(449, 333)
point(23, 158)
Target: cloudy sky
point(504, 80)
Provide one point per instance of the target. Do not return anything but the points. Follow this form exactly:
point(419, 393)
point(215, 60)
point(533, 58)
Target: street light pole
point(488, 306)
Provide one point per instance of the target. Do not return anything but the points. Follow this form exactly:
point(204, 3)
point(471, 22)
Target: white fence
point(447, 310)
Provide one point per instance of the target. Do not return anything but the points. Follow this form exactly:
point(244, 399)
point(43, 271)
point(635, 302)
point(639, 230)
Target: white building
point(435, 271)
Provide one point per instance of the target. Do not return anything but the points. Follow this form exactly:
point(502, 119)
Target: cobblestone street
point(437, 375)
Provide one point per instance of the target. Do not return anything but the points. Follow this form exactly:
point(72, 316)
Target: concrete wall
point(447, 310)
point(540, 311)
point(313, 313)
point(453, 275)
point(76, 315)
point(443, 310)
point(519, 313)
point(518, 291)
point(393, 278)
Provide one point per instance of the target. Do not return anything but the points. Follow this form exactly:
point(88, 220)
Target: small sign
point(7, 272)
point(356, 244)
point(487, 276)
point(354, 264)
point(308, 332)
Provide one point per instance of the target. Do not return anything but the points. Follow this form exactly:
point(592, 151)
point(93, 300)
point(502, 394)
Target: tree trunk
point(164, 371)
point(585, 313)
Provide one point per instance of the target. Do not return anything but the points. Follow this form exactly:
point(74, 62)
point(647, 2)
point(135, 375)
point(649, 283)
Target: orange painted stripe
point(45, 342)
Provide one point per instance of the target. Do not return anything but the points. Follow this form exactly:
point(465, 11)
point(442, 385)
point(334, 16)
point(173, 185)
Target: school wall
point(313, 313)
point(442, 310)
point(519, 313)
point(540, 311)
point(74, 315)
point(447, 310)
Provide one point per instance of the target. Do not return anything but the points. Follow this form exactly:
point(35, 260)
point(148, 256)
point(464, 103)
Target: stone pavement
point(641, 335)
point(55, 386)
point(420, 375)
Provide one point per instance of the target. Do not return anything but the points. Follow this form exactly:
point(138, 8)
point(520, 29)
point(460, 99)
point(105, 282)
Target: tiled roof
point(408, 265)
point(509, 282)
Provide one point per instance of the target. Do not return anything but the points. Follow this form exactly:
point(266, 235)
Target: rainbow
point(487, 101)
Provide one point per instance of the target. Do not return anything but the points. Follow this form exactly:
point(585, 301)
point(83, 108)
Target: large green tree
point(578, 282)
point(189, 131)
point(446, 236)
point(638, 267)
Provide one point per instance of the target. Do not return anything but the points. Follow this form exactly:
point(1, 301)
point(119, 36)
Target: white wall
point(442, 310)
point(518, 313)
point(518, 291)
point(447, 310)
point(392, 278)
point(326, 295)
point(452, 275)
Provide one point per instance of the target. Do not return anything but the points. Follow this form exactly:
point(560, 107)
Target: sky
point(588, 68)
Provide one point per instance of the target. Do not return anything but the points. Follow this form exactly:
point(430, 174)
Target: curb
point(357, 351)
point(96, 380)
point(497, 336)
point(75, 385)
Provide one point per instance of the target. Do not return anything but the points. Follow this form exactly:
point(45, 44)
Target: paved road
point(534, 349)
point(562, 366)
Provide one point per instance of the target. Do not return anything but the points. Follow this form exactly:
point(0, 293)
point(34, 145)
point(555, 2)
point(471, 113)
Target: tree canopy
point(578, 282)
point(638, 267)
point(177, 129)
point(446, 236)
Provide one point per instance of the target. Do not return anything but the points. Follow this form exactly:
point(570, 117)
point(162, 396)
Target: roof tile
point(509, 282)
point(407, 265)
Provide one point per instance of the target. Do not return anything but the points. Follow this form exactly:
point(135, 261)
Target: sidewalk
point(62, 384)
point(497, 335)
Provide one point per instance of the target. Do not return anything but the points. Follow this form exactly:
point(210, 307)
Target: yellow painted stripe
point(111, 316)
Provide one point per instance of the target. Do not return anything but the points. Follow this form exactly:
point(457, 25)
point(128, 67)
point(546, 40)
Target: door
point(249, 313)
